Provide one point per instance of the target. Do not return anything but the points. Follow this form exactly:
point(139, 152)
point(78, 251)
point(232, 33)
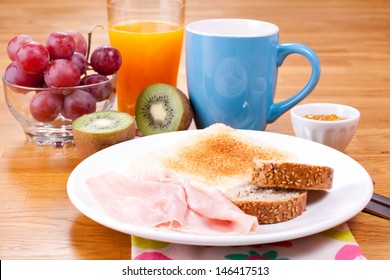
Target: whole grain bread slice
point(269, 205)
point(291, 175)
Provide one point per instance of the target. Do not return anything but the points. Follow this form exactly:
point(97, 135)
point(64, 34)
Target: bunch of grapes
point(58, 65)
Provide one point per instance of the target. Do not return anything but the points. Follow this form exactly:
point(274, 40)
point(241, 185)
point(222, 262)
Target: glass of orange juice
point(149, 36)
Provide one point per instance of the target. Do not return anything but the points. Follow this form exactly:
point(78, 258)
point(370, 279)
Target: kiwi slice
point(96, 131)
point(162, 108)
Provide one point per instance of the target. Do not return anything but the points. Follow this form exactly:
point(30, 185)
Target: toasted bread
point(291, 175)
point(269, 205)
point(219, 157)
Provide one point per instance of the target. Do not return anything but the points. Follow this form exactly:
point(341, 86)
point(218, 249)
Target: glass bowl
point(336, 133)
point(55, 130)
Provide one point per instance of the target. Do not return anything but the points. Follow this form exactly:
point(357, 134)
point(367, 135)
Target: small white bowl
point(334, 133)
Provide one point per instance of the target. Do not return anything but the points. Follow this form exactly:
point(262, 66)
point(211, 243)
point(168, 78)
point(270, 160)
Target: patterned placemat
point(337, 243)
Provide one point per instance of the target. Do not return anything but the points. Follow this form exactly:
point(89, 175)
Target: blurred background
point(356, 67)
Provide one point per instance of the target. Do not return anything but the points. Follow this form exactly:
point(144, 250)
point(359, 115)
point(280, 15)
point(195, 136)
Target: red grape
point(46, 106)
point(56, 67)
point(81, 42)
point(80, 61)
point(62, 73)
point(99, 91)
point(15, 75)
point(60, 45)
point(15, 43)
point(32, 58)
point(106, 60)
point(78, 103)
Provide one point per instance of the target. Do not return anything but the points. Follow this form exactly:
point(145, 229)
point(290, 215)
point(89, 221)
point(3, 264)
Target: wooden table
point(351, 38)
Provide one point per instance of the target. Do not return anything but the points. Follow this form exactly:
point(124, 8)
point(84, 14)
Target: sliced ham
point(161, 201)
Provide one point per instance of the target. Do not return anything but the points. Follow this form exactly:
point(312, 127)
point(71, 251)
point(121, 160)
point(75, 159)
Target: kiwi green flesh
point(160, 109)
point(96, 131)
point(103, 122)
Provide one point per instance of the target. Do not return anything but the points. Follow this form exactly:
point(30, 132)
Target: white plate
point(352, 190)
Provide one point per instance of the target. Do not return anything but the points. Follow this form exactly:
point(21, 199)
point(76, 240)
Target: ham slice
point(161, 201)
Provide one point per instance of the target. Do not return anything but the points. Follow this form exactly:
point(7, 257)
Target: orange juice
point(150, 54)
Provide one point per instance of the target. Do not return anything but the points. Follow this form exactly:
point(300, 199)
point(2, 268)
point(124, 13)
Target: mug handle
point(282, 51)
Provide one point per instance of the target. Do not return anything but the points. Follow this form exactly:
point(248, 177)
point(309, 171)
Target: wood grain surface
point(351, 38)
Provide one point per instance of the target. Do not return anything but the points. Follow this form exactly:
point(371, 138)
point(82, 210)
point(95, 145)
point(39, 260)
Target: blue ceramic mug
point(232, 66)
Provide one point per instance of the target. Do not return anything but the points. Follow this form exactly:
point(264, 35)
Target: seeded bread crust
point(290, 175)
point(269, 205)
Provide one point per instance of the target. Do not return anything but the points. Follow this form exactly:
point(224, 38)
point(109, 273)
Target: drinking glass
point(149, 36)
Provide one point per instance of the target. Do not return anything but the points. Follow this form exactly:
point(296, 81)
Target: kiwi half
point(96, 131)
point(162, 108)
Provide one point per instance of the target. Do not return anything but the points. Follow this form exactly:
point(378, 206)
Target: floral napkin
point(337, 243)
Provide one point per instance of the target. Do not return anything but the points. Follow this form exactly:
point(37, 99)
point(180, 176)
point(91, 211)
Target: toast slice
point(291, 175)
point(269, 205)
point(217, 158)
